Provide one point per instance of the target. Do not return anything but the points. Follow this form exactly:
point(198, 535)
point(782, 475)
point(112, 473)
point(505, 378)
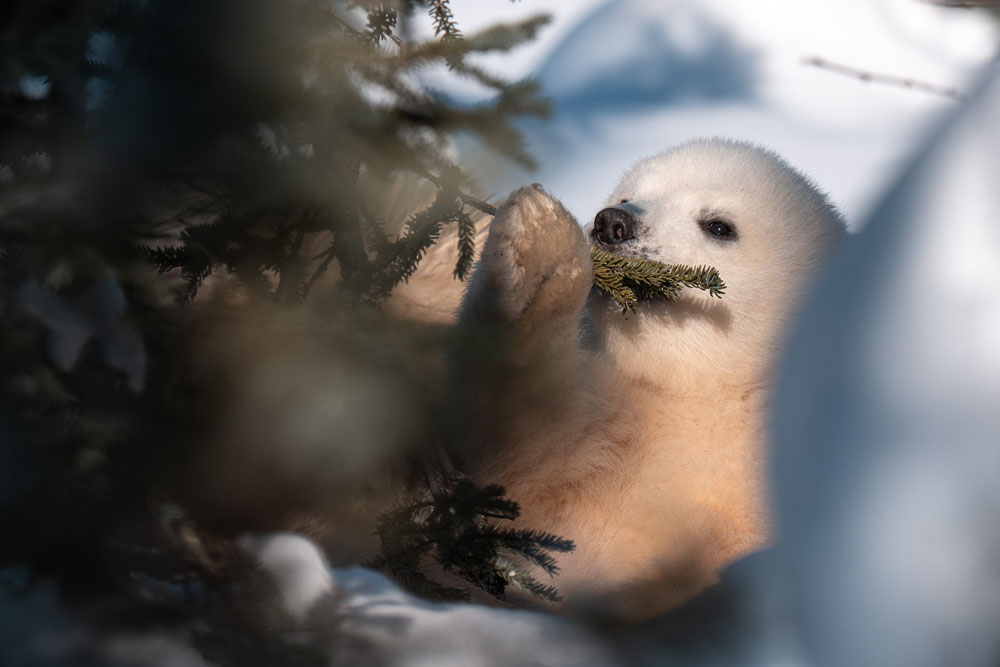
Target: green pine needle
point(629, 280)
point(513, 574)
point(466, 245)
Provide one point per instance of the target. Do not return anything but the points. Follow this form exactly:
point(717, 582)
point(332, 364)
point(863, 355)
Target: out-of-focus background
point(628, 78)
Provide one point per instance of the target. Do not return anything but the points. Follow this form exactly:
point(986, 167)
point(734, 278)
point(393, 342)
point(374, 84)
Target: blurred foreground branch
point(149, 148)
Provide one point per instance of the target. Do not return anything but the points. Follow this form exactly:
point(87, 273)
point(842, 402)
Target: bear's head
point(727, 204)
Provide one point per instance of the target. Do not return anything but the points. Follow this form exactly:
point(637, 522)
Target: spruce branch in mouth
point(630, 280)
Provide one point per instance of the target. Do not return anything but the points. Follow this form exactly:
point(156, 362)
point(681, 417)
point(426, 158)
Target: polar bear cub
point(641, 436)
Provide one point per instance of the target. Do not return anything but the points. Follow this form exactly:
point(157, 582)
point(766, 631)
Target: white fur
point(646, 445)
point(785, 227)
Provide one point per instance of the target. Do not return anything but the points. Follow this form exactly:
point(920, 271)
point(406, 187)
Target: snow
point(888, 434)
point(298, 569)
point(40, 626)
point(371, 621)
point(629, 78)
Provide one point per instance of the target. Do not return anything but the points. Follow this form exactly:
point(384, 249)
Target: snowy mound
point(887, 429)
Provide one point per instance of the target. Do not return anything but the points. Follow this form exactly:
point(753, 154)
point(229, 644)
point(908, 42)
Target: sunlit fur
point(643, 436)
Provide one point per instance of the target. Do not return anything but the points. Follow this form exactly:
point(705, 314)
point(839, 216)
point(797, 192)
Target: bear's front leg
point(535, 271)
point(518, 370)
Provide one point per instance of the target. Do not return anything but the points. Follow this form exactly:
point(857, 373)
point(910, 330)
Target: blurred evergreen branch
point(257, 158)
point(147, 146)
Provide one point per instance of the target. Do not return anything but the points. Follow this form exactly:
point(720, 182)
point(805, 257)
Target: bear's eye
point(719, 228)
point(624, 201)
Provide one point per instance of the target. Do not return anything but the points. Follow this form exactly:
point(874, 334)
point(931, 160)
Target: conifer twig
point(466, 246)
point(456, 527)
point(629, 280)
point(444, 22)
point(381, 22)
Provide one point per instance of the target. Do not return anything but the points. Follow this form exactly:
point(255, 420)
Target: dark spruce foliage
point(459, 529)
point(148, 146)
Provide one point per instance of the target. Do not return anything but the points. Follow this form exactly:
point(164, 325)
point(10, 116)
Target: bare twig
point(887, 79)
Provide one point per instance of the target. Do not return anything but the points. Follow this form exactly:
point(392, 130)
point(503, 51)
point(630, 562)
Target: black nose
point(613, 225)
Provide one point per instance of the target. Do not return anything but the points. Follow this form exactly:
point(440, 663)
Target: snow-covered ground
point(887, 429)
point(631, 77)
